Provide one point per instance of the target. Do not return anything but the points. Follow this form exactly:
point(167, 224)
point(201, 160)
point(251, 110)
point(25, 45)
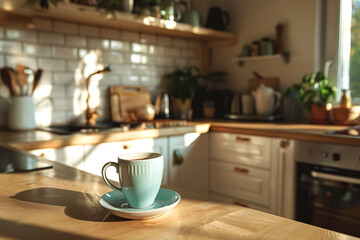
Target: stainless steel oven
point(328, 186)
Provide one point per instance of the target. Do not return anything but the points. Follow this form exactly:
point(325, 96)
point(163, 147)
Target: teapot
point(217, 19)
point(266, 100)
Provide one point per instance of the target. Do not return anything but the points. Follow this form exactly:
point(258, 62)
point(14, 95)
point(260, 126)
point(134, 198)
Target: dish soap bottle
point(345, 98)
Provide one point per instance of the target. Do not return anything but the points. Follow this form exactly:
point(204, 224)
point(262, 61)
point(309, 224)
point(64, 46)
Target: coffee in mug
point(140, 176)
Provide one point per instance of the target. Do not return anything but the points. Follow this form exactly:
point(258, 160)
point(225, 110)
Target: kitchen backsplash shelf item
point(241, 60)
point(125, 21)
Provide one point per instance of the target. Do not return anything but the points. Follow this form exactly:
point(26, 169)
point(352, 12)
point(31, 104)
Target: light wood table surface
point(62, 203)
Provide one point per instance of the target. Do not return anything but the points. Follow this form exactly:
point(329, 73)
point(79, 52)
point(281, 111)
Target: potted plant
point(314, 94)
point(183, 88)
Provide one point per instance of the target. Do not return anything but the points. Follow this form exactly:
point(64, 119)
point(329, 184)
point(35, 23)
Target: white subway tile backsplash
point(112, 57)
point(110, 79)
point(147, 38)
point(37, 50)
point(42, 23)
point(64, 78)
point(72, 66)
point(156, 50)
point(131, 80)
point(90, 31)
point(65, 27)
point(58, 91)
point(140, 48)
point(109, 33)
point(51, 38)
point(172, 52)
point(30, 62)
point(10, 47)
point(189, 53)
point(119, 45)
point(75, 41)
point(2, 35)
point(179, 43)
point(130, 36)
point(64, 52)
point(135, 58)
point(62, 104)
point(58, 117)
point(25, 35)
point(52, 64)
point(68, 52)
point(165, 41)
point(98, 43)
point(2, 60)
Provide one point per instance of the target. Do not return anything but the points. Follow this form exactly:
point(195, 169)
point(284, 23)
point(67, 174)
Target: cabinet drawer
point(221, 198)
point(241, 149)
point(241, 182)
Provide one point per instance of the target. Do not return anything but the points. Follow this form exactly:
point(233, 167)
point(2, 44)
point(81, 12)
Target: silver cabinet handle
point(327, 176)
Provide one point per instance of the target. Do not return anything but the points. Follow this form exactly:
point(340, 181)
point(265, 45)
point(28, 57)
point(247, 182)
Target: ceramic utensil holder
point(22, 113)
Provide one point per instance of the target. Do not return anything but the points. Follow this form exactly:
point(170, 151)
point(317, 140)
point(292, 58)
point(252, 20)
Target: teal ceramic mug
point(140, 176)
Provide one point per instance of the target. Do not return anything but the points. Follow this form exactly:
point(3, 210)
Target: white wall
point(255, 19)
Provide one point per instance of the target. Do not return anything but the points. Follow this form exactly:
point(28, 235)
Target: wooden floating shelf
point(241, 60)
point(124, 21)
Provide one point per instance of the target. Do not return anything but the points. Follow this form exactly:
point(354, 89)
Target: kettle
point(217, 19)
point(162, 106)
point(266, 100)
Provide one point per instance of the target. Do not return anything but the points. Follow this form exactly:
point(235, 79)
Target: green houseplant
point(184, 85)
point(314, 93)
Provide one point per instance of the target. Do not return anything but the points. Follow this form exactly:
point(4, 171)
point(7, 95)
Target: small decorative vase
point(319, 114)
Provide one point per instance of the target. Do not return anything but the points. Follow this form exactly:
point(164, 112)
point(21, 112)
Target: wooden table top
point(62, 203)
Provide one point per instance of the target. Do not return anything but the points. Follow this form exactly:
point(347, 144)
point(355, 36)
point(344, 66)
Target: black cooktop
point(11, 162)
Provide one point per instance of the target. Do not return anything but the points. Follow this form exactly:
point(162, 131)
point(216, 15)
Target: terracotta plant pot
point(319, 114)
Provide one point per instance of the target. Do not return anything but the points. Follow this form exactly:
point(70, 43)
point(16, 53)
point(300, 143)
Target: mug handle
point(106, 180)
point(227, 18)
point(277, 95)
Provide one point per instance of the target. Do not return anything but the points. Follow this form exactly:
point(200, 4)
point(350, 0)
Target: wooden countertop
point(29, 140)
point(305, 132)
point(36, 139)
point(62, 203)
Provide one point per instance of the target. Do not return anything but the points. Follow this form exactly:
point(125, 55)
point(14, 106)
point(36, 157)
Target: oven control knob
point(336, 157)
point(324, 155)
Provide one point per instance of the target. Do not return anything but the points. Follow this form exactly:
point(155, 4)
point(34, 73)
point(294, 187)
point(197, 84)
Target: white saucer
point(116, 204)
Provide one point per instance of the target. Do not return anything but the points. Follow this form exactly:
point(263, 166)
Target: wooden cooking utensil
point(37, 79)
point(5, 77)
point(21, 77)
point(13, 82)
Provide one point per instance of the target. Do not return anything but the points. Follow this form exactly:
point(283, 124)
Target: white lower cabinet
point(99, 154)
point(251, 171)
point(73, 156)
point(189, 164)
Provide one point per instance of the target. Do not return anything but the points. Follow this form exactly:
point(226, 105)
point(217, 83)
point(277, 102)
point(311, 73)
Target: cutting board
point(272, 82)
point(125, 102)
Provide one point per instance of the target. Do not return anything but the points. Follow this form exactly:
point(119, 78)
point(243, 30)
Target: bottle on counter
point(345, 98)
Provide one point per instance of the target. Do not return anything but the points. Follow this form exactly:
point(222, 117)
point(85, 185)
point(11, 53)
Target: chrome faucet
point(92, 114)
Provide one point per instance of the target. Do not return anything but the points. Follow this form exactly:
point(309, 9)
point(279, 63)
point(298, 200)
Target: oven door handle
point(327, 176)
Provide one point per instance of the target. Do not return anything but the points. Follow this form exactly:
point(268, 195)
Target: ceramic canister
point(140, 176)
point(22, 113)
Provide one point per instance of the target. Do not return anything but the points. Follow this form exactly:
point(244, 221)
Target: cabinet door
point(98, 155)
point(189, 164)
point(73, 156)
point(161, 146)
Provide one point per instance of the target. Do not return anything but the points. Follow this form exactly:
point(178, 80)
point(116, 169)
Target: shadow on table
point(13, 230)
point(78, 205)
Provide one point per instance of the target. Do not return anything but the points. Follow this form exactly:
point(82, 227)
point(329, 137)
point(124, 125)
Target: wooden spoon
point(37, 79)
point(5, 77)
